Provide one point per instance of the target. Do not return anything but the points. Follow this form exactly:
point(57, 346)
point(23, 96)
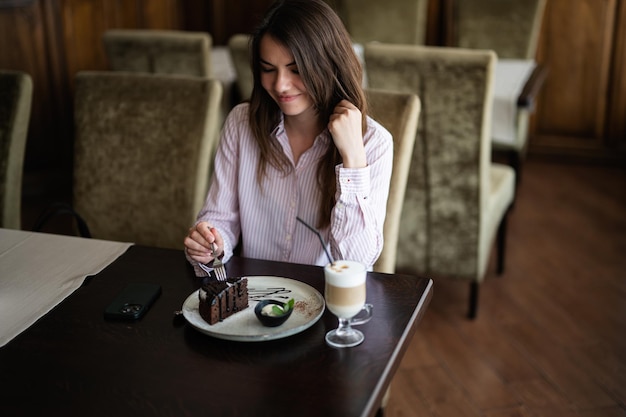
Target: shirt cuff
point(353, 180)
point(206, 268)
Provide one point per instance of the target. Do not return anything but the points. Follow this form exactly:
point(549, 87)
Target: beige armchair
point(508, 27)
point(159, 51)
point(16, 90)
point(170, 52)
point(390, 21)
point(398, 113)
point(143, 154)
point(456, 199)
point(239, 47)
point(511, 28)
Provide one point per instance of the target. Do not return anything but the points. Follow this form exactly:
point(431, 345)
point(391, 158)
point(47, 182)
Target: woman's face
point(281, 79)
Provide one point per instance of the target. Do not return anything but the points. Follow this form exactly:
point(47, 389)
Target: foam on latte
point(345, 287)
point(345, 273)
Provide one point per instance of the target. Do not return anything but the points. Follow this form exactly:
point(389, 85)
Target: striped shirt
point(265, 215)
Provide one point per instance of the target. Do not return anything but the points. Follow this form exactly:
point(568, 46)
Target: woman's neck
point(302, 132)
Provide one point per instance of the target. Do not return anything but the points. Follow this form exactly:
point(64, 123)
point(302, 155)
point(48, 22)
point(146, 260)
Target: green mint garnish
point(279, 311)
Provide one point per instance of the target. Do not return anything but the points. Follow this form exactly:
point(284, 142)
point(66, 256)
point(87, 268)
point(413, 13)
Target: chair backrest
point(508, 27)
point(144, 145)
point(390, 21)
point(239, 47)
point(16, 90)
point(159, 51)
point(448, 179)
point(398, 113)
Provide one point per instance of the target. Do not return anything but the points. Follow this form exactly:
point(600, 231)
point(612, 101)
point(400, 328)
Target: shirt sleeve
point(225, 215)
point(361, 201)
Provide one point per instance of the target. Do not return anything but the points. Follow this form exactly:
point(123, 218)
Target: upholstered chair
point(239, 47)
point(159, 51)
point(398, 113)
point(144, 147)
point(391, 21)
point(508, 27)
point(16, 90)
point(456, 199)
point(511, 28)
point(171, 52)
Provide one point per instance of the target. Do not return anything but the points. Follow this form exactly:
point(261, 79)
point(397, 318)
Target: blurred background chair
point(159, 51)
point(398, 113)
point(390, 21)
point(16, 90)
point(510, 28)
point(143, 154)
point(172, 52)
point(239, 47)
point(456, 200)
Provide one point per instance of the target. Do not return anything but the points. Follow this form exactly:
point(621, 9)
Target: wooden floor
point(550, 336)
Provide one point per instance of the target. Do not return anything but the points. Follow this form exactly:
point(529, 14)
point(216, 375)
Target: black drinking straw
point(330, 259)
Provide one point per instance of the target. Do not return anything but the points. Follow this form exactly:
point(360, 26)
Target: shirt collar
point(323, 138)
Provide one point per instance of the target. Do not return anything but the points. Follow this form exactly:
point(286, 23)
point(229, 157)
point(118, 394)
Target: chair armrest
point(534, 83)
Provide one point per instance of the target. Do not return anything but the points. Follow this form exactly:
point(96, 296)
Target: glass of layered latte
point(345, 298)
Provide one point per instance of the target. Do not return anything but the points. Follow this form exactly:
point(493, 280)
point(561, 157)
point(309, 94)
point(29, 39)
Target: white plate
point(246, 327)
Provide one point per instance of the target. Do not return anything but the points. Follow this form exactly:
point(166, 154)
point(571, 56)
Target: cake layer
point(222, 299)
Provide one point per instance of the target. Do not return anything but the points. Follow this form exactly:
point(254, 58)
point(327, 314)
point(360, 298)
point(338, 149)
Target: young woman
point(302, 147)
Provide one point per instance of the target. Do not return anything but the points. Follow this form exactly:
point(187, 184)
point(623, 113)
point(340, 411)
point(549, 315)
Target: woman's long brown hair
point(330, 70)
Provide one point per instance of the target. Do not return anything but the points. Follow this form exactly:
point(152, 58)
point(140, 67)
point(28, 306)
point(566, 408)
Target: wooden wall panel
point(54, 39)
point(242, 16)
point(84, 22)
point(222, 18)
point(29, 43)
point(159, 14)
point(617, 93)
point(576, 45)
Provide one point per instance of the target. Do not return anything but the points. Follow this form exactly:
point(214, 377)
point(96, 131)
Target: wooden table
point(73, 362)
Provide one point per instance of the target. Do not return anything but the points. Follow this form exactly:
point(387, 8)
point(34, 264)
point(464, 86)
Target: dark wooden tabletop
point(73, 362)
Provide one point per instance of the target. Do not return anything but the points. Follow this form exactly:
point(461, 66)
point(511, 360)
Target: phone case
point(133, 302)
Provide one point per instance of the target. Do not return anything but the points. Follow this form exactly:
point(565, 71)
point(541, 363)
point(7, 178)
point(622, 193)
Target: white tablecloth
point(510, 77)
point(39, 270)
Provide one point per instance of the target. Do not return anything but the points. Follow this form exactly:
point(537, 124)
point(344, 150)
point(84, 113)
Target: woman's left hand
point(345, 127)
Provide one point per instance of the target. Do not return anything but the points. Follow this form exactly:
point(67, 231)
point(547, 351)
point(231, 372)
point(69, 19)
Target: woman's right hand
point(199, 243)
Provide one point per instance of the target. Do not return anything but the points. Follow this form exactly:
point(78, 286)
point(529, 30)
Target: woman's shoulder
point(239, 113)
point(237, 123)
point(377, 131)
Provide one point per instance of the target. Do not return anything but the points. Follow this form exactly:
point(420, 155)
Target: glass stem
point(344, 326)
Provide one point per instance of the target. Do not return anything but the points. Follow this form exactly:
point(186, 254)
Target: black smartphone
point(133, 302)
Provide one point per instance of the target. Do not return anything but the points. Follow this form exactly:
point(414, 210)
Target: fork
point(218, 266)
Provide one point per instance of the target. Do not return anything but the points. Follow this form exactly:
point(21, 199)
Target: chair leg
point(62, 208)
point(515, 161)
point(501, 243)
point(384, 402)
point(473, 299)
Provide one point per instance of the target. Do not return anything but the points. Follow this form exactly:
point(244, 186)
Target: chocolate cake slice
point(222, 299)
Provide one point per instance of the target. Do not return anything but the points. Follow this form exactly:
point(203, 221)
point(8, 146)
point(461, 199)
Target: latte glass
point(345, 298)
